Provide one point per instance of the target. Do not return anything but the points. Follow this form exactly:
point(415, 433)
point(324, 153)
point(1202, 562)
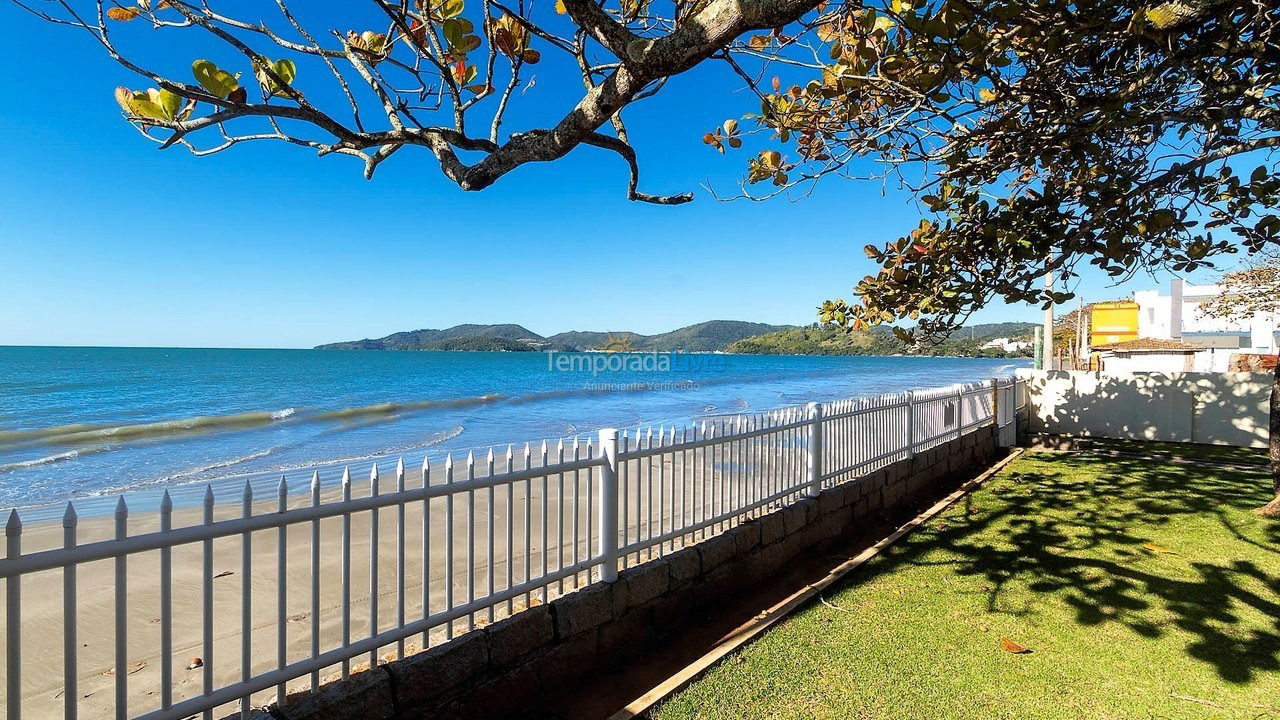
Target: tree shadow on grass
point(1077, 529)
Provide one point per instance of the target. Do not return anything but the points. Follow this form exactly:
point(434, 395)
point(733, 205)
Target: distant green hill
point(704, 337)
point(708, 336)
point(827, 340)
point(490, 344)
point(714, 336)
point(987, 331)
point(458, 337)
point(581, 339)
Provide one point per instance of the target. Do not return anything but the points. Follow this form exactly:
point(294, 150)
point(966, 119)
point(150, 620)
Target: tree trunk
point(1273, 508)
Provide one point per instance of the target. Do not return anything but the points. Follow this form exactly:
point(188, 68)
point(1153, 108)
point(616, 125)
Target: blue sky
point(107, 241)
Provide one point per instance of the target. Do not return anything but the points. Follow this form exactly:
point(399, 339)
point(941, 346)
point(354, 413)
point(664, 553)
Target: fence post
point(814, 475)
point(911, 423)
point(609, 505)
point(995, 402)
point(959, 409)
point(13, 620)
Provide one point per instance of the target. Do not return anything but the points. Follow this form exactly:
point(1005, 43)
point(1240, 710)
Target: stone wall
point(512, 667)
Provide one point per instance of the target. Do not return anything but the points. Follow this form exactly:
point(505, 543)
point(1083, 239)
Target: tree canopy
point(1247, 292)
point(1037, 134)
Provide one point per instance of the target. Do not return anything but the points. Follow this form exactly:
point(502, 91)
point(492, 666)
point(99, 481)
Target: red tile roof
point(1150, 345)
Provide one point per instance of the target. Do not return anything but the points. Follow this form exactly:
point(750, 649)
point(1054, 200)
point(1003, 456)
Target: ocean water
point(89, 423)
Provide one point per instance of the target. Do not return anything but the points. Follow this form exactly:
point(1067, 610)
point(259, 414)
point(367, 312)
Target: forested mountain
point(703, 337)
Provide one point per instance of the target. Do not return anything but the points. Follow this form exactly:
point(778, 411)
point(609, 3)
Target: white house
point(1177, 316)
point(1007, 345)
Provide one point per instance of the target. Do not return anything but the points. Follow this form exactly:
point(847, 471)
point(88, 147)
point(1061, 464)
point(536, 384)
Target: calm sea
point(91, 422)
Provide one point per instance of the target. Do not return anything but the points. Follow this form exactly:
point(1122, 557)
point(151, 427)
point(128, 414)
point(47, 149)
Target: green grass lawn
point(1182, 451)
point(1050, 554)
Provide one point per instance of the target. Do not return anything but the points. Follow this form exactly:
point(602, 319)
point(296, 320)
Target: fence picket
point(282, 577)
point(346, 572)
point(246, 600)
point(315, 578)
point(166, 605)
point(13, 620)
point(70, 649)
point(373, 564)
point(400, 542)
point(122, 605)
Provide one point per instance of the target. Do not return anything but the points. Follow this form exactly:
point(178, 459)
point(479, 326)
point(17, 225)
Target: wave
point(390, 408)
point(209, 474)
point(222, 464)
point(69, 455)
point(83, 434)
point(438, 438)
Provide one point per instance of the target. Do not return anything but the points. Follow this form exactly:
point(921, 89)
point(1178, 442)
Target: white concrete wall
point(1217, 408)
point(1145, 362)
point(1215, 360)
point(1153, 314)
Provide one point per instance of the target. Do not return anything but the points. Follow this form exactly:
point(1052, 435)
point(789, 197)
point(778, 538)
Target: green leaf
point(450, 8)
point(286, 70)
point(219, 83)
point(170, 103)
point(160, 105)
point(453, 31)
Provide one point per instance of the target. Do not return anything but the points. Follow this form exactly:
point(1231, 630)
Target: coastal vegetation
point(832, 340)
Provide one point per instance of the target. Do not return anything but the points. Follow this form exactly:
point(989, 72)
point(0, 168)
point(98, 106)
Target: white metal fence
point(105, 634)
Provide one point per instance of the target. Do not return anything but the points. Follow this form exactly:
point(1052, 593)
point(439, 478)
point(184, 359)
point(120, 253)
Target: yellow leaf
point(986, 95)
point(122, 14)
point(1158, 549)
point(560, 8)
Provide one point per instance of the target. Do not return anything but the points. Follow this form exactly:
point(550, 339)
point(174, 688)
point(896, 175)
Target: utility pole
point(1048, 322)
point(1082, 339)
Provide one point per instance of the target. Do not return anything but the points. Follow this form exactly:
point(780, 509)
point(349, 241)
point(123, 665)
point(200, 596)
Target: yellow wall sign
point(1113, 322)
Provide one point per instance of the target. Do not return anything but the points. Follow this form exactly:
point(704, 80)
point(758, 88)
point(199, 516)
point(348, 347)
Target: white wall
point(1153, 314)
point(1217, 408)
point(1145, 362)
point(1215, 360)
